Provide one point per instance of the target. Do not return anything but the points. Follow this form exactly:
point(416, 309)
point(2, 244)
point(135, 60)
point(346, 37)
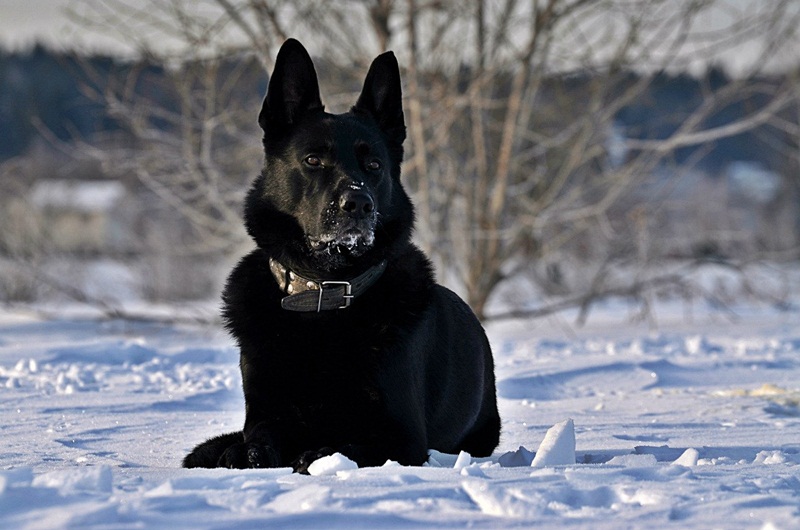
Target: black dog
point(347, 343)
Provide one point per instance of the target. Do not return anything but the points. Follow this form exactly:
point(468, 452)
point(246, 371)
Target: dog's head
point(329, 198)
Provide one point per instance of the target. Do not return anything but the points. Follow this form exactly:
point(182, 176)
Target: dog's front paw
point(249, 455)
point(300, 465)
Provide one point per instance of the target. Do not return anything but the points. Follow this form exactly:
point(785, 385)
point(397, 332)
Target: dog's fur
point(407, 366)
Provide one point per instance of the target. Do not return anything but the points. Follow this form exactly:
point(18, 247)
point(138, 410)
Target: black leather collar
point(319, 295)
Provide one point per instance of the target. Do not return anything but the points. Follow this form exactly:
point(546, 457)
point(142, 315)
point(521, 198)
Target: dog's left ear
point(382, 97)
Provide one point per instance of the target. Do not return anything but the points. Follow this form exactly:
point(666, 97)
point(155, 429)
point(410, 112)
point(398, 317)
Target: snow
point(693, 425)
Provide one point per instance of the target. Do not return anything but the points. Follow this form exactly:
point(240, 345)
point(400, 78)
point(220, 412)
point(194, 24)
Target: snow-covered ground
point(696, 425)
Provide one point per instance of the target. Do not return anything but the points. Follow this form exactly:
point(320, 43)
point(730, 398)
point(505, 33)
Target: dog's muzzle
point(349, 224)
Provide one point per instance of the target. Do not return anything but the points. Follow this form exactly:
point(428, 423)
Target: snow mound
point(501, 502)
point(90, 480)
point(646, 460)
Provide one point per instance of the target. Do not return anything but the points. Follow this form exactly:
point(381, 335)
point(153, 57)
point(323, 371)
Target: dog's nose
point(356, 203)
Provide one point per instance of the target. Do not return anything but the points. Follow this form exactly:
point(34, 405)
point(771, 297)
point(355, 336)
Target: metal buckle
point(348, 293)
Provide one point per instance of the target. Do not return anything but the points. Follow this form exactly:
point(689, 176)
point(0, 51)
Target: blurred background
point(561, 153)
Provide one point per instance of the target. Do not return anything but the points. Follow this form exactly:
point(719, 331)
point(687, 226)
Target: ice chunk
point(439, 459)
point(473, 470)
point(688, 458)
point(464, 459)
point(330, 465)
point(519, 458)
point(558, 446)
point(770, 457)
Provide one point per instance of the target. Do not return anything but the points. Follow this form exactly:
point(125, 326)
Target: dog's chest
point(327, 366)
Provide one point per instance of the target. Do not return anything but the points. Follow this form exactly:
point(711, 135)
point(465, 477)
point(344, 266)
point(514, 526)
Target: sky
point(23, 23)
point(26, 22)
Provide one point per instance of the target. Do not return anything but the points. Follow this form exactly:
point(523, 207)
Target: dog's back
point(460, 387)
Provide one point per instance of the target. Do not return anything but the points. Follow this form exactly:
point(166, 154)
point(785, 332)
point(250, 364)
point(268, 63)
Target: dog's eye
point(313, 161)
point(374, 165)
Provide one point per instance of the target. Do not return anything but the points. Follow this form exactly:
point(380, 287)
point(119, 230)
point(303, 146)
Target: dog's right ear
point(293, 88)
point(382, 97)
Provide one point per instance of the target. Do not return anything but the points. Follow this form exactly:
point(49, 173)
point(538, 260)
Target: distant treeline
point(42, 89)
point(57, 92)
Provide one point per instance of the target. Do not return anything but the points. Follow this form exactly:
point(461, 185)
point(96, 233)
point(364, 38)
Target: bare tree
point(511, 162)
point(511, 107)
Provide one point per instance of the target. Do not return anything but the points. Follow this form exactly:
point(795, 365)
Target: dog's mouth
point(352, 241)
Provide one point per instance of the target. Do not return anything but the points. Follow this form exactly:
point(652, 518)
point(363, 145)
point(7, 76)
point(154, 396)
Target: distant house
point(743, 210)
point(771, 206)
point(754, 182)
point(80, 216)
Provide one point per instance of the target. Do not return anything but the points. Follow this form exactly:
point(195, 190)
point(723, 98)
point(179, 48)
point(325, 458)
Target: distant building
point(81, 216)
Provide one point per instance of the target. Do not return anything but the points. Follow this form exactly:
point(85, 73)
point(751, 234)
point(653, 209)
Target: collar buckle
point(347, 296)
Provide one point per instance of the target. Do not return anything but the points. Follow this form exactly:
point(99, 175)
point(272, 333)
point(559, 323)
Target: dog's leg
point(257, 448)
point(483, 438)
point(265, 444)
point(208, 453)
point(248, 455)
